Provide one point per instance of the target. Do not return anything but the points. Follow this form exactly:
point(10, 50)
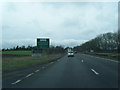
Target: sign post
point(42, 44)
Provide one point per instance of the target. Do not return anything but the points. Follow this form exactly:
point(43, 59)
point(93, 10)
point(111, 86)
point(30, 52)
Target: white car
point(71, 54)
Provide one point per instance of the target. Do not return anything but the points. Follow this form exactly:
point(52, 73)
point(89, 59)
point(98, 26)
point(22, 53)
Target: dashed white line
point(16, 82)
point(37, 70)
point(47, 65)
point(43, 67)
point(51, 62)
point(29, 75)
point(95, 72)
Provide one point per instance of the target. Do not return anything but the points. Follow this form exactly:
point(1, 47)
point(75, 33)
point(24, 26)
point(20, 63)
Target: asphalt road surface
point(80, 71)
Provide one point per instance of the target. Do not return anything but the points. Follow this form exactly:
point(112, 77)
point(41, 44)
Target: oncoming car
point(71, 54)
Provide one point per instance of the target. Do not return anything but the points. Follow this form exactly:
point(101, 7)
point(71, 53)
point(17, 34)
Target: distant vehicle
point(71, 54)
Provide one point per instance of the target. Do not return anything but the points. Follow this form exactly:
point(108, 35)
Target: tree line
point(34, 49)
point(19, 48)
point(108, 42)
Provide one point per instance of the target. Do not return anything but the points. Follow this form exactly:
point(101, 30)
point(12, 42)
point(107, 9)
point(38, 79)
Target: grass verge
point(16, 63)
point(22, 52)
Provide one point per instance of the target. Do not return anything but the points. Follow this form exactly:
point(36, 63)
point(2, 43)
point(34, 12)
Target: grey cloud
point(72, 23)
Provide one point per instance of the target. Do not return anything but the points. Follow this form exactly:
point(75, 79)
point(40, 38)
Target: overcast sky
point(66, 24)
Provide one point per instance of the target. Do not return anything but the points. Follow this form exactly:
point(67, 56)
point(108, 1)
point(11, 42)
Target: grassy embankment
point(16, 63)
point(116, 58)
point(17, 52)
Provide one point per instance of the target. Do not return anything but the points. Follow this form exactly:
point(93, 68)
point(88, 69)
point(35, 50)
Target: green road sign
point(42, 43)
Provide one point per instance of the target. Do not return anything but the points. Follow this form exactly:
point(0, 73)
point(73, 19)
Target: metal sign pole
point(42, 44)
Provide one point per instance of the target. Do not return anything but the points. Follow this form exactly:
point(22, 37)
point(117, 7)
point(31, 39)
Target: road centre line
point(51, 62)
point(95, 72)
point(37, 70)
point(23, 78)
point(43, 67)
point(16, 82)
point(29, 75)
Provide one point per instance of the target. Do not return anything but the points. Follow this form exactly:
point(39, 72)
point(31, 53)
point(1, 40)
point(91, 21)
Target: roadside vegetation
point(21, 52)
point(18, 58)
point(104, 45)
point(16, 63)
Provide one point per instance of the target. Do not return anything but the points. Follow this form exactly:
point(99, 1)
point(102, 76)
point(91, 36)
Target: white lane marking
point(106, 59)
point(29, 75)
point(43, 67)
point(81, 60)
point(51, 62)
point(16, 82)
point(95, 72)
point(102, 58)
point(37, 70)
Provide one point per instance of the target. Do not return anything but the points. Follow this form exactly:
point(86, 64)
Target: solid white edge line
point(106, 59)
point(95, 71)
point(16, 82)
point(102, 58)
